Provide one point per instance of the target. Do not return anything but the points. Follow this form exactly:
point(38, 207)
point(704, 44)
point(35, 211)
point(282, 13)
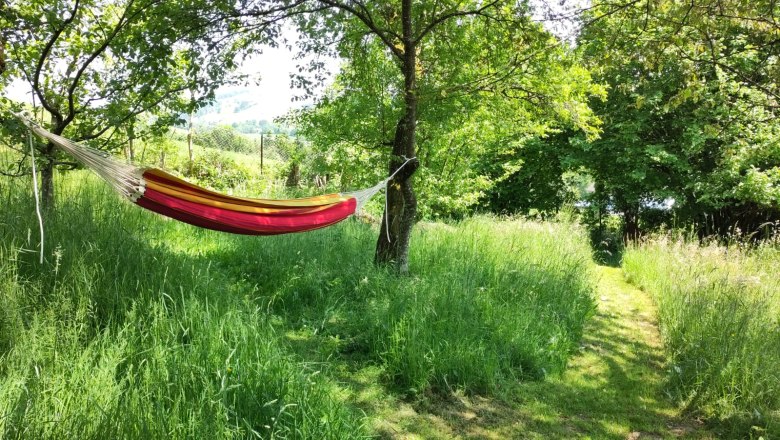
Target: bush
point(224, 137)
point(219, 172)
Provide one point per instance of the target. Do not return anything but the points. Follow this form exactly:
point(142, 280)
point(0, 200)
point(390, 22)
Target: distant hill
point(244, 109)
point(241, 104)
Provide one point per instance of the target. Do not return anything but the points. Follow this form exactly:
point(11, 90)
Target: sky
point(272, 95)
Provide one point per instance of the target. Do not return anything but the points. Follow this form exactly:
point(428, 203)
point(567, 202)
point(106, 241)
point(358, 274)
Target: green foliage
point(108, 72)
point(98, 65)
point(691, 113)
point(219, 172)
point(690, 119)
point(531, 178)
point(483, 89)
point(256, 127)
point(217, 169)
point(718, 310)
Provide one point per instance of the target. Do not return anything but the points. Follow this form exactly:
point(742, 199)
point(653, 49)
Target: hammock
point(158, 191)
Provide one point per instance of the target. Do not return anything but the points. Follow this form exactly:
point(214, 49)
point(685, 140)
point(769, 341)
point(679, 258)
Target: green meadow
point(136, 326)
point(140, 327)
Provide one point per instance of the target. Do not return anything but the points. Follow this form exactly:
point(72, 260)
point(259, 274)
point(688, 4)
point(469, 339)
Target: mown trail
point(613, 388)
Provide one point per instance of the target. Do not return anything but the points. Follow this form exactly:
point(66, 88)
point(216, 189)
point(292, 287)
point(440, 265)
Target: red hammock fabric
point(178, 199)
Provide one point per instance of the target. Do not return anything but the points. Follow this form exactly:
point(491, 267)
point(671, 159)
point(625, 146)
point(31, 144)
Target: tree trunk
point(630, 225)
point(294, 177)
point(130, 150)
point(2, 55)
point(189, 143)
point(47, 178)
point(392, 247)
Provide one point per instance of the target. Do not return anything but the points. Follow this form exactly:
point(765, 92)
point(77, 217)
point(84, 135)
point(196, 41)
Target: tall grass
point(497, 301)
point(120, 335)
point(137, 326)
point(719, 312)
point(490, 301)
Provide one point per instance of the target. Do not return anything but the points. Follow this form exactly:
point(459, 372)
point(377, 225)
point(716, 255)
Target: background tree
point(422, 69)
point(693, 109)
point(690, 116)
point(94, 66)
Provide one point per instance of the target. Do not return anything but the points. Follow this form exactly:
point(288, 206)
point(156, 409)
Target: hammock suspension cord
point(122, 177)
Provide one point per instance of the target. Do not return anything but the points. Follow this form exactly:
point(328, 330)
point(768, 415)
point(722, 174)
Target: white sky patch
point(560, 17)
point(19, 91)
point(270, 97)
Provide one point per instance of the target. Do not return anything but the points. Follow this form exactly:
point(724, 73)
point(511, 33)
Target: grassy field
point(140, 327)
point(719, 312)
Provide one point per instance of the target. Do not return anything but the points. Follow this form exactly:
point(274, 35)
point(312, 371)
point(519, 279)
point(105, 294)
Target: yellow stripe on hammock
point(195, 198)
point(308, 202)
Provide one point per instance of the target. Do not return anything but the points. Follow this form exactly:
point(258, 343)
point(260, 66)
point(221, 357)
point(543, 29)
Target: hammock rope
point(165, 194)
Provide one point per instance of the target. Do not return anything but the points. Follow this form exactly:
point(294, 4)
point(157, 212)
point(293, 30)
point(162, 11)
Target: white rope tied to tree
point(35, 189)
point(364, 195)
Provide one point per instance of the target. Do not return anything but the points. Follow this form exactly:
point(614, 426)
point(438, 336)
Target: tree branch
point(131, 114)
point(123, 21)
point(369, 22)
point(617, 9)
point(42, 60)
point(444, 17)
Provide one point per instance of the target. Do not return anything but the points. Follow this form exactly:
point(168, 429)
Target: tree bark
point(630, 225)
point(189, 143)
point(392, 247)
point(47, 178)
point(294, 177)
point(2, 55)
point(130, 150)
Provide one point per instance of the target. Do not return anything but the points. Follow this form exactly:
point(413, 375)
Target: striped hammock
point(158, 191)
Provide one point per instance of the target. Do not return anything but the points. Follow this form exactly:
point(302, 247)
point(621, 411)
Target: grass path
point(612, 389)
